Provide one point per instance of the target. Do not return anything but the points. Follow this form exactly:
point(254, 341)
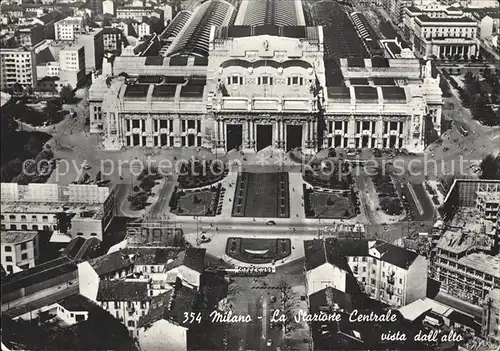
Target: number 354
point(192, 317)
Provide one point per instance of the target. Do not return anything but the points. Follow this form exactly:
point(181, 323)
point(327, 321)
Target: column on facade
point(308, 130)
point(276, 132)
point(252, 132)
point(379, 131)
point(244, 134)
point(283, 132)
point(224, 132)
point(305, 135)
point(370, 144)
point(400, 127)
point(314, 130)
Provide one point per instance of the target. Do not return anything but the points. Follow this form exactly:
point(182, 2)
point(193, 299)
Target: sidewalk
point(296, 195)
point(229, 183)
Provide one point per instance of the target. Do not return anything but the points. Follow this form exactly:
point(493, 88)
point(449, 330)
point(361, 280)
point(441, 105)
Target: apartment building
point(395, 9)
point(112, 40)
point(21, 291)
point(135, 12)
point(48, 21)
point(68, 29)
point(464, 264)
point(96, 6)
point(387, 272)
point(164, 326)
point(441, 32)
point(165, 265)
point(29, 35)
point(126, 300)
point(384, 271)
point(92, 41)
point(47, 283)
point(108, 7)
point(488, 205)
point(491, 317)
point(19, 250)
point(36, 207)
point(72, 65)
point(17, 66)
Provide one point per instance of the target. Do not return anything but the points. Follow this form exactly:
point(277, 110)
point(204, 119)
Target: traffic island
point(258, 251)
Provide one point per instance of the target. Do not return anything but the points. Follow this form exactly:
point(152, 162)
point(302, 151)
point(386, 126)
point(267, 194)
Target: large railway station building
point(269, 73)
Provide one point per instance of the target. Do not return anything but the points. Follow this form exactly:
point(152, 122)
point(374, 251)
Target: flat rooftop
point(70, 21)
point(86, 210)
point(470, 220)
point(483, 263)
point(445, 20)
point(15, 237)
point(458, 241)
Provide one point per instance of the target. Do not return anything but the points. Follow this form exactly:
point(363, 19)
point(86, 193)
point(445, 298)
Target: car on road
point(270, 223)
point(269, 342)
point(273, 299)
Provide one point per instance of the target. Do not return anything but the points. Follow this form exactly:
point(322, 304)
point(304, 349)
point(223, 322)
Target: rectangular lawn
point(262, 195)
point(195, 208)
point(337, 207)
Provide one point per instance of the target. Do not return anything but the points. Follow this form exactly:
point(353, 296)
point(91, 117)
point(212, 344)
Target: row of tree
point(474, 97)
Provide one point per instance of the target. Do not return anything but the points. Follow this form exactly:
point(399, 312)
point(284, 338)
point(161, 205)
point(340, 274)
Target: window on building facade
point(8, 258)
point(265, 80)
point(23, 246)
point(8, 248)
point(235, 80)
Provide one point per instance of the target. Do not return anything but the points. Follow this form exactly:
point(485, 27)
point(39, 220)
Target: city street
point(259, 297)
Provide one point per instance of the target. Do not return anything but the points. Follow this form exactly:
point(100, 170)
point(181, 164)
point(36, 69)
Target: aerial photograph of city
point(285, 175)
